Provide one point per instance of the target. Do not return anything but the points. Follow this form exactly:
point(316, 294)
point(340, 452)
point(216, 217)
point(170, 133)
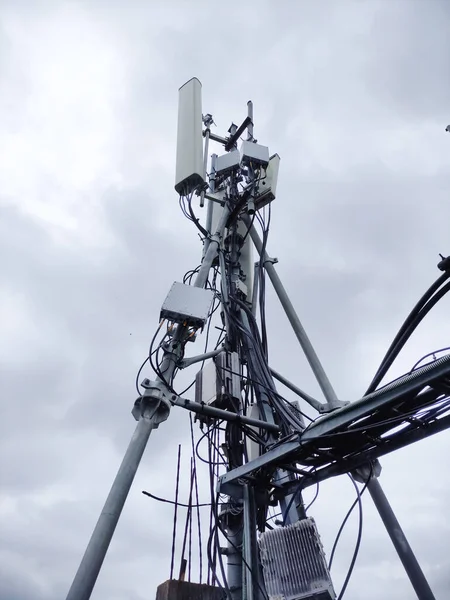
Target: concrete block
point(185, 590)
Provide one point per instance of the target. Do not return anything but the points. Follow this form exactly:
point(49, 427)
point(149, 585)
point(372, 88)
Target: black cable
point(197, 500)
point(195, 220)
point(409, 331)
point(190, 527)
point(294, 496)
point(262, 284)
point(217, 553)
point(446, 349)
point(347, 516)
point(208, 329)
point(275, 395)
point(188, 516)
point(315, 497)
point(151, 352)
point(187, 278)
point(389, 421)
point(408, 327)
point(358, 540)
point(148, 358)
point(174, 533)
point(249, 229)
point(139, 374)
point(211, 443)
point(172, 502)
point(264, 372)
point(263, 591)
point(270, 390)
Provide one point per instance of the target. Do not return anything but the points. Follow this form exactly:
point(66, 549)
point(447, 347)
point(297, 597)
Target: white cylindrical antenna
point(189, 167)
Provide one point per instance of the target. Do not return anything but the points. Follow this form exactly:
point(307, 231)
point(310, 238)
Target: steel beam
point(392, 393)
point(226, 415)
point(404, 550)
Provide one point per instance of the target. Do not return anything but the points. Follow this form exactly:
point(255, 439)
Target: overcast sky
point(355, 98)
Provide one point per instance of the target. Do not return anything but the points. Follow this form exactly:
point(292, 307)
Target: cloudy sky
point(355, 98)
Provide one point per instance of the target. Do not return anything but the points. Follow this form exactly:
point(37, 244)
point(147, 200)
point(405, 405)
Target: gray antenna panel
point(189, 167)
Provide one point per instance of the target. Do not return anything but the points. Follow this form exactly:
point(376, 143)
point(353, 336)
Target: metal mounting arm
point(187, 362)
point(225, 415)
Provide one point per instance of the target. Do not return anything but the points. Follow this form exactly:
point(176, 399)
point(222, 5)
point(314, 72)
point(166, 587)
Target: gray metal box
point(294, 565)
point(219, 381)
point(226, 163)
point(207, 386)
point(185, 303)
point(254, 153)
point(267, 187)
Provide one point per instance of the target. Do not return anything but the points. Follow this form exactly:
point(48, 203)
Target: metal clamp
point(268, 259)
point(153, 404)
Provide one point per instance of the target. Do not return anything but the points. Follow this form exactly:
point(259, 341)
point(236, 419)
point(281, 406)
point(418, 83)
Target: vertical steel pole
point(234, 557)
point(205, 166)
point(404, 550)
point(210, 207)
point(250, 125)
point(93, 558)
point(250, 551)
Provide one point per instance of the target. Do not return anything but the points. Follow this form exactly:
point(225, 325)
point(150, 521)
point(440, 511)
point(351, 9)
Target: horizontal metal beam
point(292, 450)
point(279, 454)
point(390, 394)
point(402, 441)
point(187, 362)
point(216, 138)
point(225, 415)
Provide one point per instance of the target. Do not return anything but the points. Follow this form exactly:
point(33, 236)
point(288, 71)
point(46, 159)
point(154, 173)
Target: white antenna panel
point(189, 166)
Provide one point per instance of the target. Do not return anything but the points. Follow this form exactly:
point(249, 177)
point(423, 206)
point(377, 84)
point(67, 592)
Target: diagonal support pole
point(404, 550)
point(394, 530)
point(91, 563)
point(310, 353)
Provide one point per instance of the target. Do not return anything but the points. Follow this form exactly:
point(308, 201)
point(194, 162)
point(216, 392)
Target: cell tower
point(270, 450)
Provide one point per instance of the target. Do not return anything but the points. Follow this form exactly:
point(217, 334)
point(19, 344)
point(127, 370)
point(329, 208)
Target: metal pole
point(404, 550)
point(251, 557)
point(205, 166)
point(93, 558)
point(210, 207)
point(287, 503)
point(250, 125)
point(255, 289)
point(234, 556)
point(306, 345)
point(212, 250)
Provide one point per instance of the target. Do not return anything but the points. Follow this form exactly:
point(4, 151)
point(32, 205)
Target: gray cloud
point(354, 98)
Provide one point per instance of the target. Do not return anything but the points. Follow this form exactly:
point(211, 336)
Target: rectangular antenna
point(189, 167)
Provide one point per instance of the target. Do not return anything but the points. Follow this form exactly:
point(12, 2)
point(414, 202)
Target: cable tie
point(444, 263)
